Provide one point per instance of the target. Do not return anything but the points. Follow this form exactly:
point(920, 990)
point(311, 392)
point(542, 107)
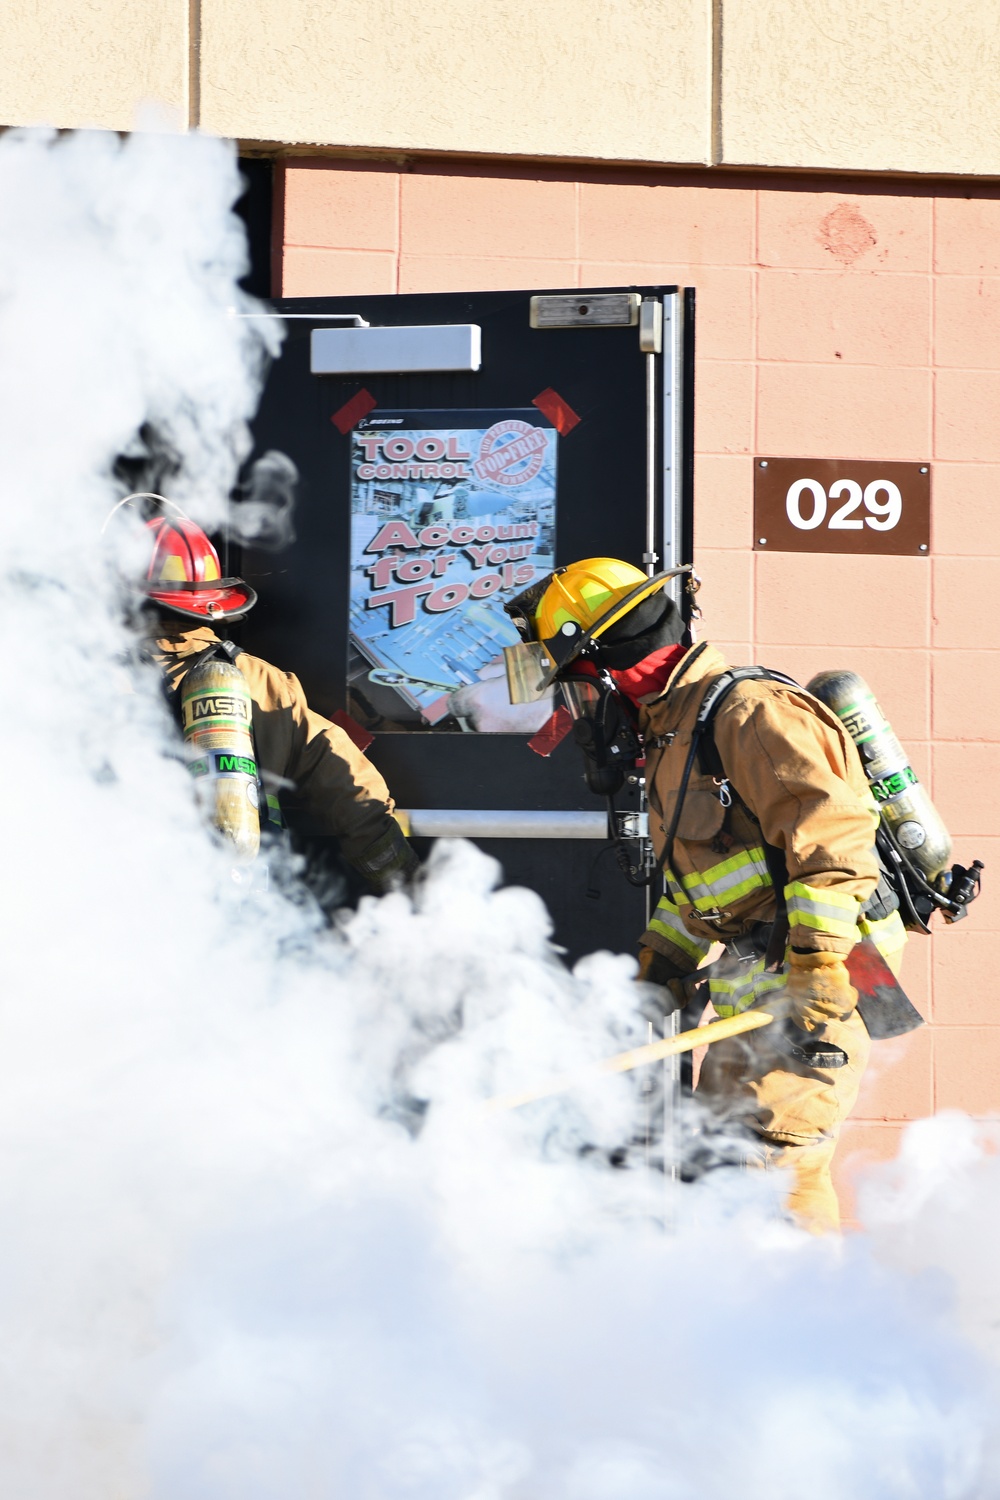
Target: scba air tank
point(909, 813)
point(216, 713)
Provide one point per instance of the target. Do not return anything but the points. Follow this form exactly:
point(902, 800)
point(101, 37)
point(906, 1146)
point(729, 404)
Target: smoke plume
point(260, 1238)
point(262, 515)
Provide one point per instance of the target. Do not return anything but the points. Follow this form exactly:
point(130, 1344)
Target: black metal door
point(597, 408)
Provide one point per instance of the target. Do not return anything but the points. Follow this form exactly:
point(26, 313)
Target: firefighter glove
point(388, 862)
point(818, 989)
point(656, 968)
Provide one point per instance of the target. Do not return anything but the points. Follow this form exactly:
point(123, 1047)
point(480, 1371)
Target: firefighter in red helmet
point(310, 768)
point(184, 576)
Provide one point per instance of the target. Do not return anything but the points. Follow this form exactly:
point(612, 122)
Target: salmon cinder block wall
point(833, 321)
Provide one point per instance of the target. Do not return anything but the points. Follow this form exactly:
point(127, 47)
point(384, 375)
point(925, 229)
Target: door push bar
point(481, 823)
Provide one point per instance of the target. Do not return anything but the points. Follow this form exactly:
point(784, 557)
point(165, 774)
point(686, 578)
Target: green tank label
point(891, 786)
point(862, 720)
point(228, 764)
point(225, 765)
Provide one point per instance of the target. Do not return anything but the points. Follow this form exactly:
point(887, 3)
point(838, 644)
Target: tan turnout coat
point(797, 771)
point(330, 786)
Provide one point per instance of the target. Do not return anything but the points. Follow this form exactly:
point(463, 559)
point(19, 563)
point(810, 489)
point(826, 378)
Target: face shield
point(582, 696)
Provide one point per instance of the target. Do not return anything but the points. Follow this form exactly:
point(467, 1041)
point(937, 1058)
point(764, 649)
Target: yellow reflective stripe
point(715, 874)
point(821, 896)
point(732, 879)
point(753, 877)
point(667, 921)
point(822, 909)
point(746, 987)
point(274, 809)
point(688, 891)
point(731, 996)
point(739, 983)
point(681, 940)
point(888, 935)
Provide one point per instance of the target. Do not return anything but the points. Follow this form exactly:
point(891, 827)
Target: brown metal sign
point(841, 505)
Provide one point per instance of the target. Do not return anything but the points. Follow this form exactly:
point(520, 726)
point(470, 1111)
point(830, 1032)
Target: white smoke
point(260, 1239)
point(263, 517)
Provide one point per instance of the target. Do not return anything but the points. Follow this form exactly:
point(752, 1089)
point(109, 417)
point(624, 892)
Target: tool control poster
point(452, 514)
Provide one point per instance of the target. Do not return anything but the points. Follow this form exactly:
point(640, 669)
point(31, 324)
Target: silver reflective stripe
point(822, 910)
point(668, 922)
point(730, 996)
point(818, 909)
point(742, 873)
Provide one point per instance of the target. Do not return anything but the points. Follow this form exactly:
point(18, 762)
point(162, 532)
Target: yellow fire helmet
point(562, 614)
point(585, 593)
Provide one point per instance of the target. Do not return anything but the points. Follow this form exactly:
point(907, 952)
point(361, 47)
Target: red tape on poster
point(559, 412)
point(350, 414)
point(552, 732)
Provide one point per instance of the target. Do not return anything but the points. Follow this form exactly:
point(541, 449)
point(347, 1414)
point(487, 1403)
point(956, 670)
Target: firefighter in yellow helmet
point(311, 770)
point(765, 843)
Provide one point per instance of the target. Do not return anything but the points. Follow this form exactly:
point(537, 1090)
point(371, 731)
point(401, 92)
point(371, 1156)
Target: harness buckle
point(743, 948)
point(715, 915)
point(725, 795)
point(750, 945)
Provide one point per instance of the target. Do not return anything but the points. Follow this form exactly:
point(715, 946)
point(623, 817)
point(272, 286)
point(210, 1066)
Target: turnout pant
point(794, 1110)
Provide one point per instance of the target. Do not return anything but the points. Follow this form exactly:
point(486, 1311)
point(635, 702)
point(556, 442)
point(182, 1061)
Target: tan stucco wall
point(836, 84)
point(67, 63)
point(863, 84)
point(567, 78)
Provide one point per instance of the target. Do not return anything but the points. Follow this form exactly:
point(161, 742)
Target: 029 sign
point(883, 516)
point(834, 505)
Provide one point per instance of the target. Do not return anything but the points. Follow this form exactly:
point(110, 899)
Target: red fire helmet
point(184, 575)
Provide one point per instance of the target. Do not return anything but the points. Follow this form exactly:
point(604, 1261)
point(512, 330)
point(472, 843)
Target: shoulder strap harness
point(704, 749)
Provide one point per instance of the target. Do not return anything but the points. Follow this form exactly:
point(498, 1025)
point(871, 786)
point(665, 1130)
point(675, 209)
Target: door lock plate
point(586, 310)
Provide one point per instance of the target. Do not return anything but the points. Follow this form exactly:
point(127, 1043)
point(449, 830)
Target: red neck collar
point(650, 675)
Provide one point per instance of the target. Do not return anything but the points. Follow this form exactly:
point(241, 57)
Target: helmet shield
point(527, 665)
